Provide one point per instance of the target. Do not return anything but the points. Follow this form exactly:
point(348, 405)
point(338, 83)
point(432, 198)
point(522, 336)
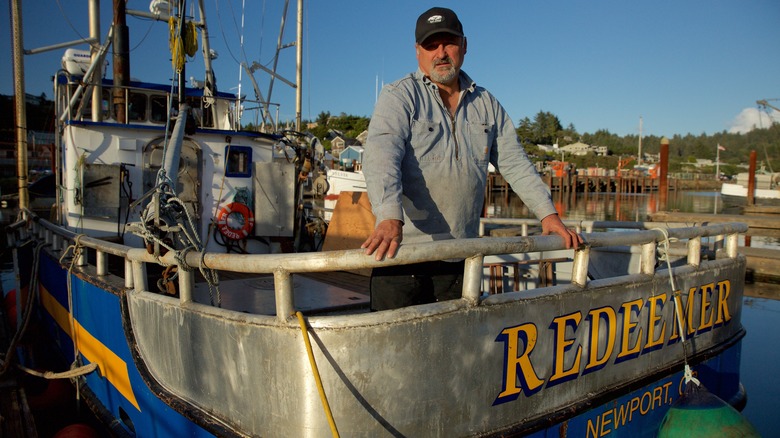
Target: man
point(426, 158)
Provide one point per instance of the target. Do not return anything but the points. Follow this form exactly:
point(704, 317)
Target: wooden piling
point(663, 183)
point(751, 190)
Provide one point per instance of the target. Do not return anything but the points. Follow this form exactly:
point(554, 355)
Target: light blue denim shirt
point(429, 170)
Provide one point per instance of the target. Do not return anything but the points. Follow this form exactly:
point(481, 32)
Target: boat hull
point(118, 393)
point(514, 363)
point(740, 191)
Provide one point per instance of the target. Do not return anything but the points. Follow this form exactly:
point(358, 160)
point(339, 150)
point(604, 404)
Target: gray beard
point(444, 78)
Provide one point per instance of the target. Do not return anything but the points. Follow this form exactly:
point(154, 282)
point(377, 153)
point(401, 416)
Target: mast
point(639, 158)
point(20, 97)
point(299, 67)
point(211, 81)
point(717, 162)
point(121, 60)
point(94, 33)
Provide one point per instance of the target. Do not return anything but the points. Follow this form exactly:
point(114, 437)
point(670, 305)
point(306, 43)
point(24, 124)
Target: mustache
point(443, 60)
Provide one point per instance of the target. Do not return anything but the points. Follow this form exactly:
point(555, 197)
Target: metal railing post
point(647, 259)
point(579, 271)
point(81, 260)
point(129, 274)
point(472, 278)
point(139, 276)
point(101, 260)
point(283, 291)
point(694, 251)
point(186, 284)
point(732, 245)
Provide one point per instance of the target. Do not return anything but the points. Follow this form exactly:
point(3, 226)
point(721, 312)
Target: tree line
point(546, 129)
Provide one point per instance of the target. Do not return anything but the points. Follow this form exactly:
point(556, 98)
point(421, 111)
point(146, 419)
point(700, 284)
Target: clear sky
point(683, 66)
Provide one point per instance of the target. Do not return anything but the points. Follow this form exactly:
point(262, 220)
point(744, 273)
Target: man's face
point(440, 57)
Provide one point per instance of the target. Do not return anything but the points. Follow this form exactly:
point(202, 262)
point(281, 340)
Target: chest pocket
point(481, 136)
point(427, 141)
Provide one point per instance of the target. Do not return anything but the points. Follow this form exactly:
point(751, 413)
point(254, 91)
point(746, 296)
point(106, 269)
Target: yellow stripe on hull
point(111, 366)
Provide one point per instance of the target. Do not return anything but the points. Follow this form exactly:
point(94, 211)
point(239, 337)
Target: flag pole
point(717, 164)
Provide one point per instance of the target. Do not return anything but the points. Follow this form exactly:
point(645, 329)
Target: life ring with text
point(235, 221)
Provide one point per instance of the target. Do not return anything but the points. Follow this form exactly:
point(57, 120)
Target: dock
point(763, 264)
point(603, 184)
point(761, 209)
point(767, 225)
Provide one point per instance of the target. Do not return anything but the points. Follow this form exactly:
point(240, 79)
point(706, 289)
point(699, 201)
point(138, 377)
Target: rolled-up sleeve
point(383, 154)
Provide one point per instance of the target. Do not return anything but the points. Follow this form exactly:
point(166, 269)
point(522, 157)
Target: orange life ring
point(225, 224)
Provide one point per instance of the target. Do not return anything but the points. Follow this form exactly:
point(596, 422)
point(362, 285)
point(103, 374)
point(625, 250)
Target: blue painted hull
point(635, 410)
point(99, 313)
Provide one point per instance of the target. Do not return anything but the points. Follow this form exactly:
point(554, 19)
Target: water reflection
point(616, 206)
point(758, 352)
point(625, 207)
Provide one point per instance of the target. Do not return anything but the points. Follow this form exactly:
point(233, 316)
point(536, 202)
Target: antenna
point(639, 158)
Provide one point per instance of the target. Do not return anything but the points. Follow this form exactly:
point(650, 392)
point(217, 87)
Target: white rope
point(51, 375)
point(664, 256)
point(689, 376)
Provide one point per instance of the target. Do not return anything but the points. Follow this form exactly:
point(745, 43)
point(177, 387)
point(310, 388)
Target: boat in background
point(766, 186)
point(181, 288)
point(341, 181)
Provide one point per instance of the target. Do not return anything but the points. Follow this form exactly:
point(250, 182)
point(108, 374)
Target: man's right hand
point(385, 239)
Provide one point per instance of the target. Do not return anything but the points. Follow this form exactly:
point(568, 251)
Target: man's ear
point(465, 45)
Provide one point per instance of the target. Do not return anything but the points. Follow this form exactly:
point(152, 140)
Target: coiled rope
point(181, 43)
point(74, 370)
point(334, 431)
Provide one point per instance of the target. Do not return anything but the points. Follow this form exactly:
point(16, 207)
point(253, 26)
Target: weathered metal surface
point(448, 369)
point(480, 365)
point(445, 369)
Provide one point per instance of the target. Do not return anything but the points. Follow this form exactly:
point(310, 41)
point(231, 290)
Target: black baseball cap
point(436, 20)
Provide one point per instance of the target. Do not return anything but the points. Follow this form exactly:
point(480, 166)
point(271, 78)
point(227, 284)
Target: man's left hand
point(552, 224)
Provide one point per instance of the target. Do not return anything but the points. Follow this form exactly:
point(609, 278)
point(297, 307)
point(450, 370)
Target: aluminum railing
point(282, 266)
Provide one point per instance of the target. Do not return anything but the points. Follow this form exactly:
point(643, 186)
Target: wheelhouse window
point(159, 109)
point(196, 108)
point(86, 111)
point(136, 107)
point(105, 103)
point(238, 161)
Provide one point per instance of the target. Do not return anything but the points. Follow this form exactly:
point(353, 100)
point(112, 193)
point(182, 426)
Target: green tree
point(323, 118)
point(525, 131)
point(546, 127)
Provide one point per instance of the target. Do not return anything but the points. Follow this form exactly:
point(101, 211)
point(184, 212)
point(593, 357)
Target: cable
point(316, 373)
point(665, 256)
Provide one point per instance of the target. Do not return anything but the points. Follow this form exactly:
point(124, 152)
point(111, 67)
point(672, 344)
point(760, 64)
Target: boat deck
point(315, 293)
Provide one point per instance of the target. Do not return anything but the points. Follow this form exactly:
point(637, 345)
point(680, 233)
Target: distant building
point(340, 142)
point(578, 148)
point(351, 157)
point(651, 158)
point(361, 138)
